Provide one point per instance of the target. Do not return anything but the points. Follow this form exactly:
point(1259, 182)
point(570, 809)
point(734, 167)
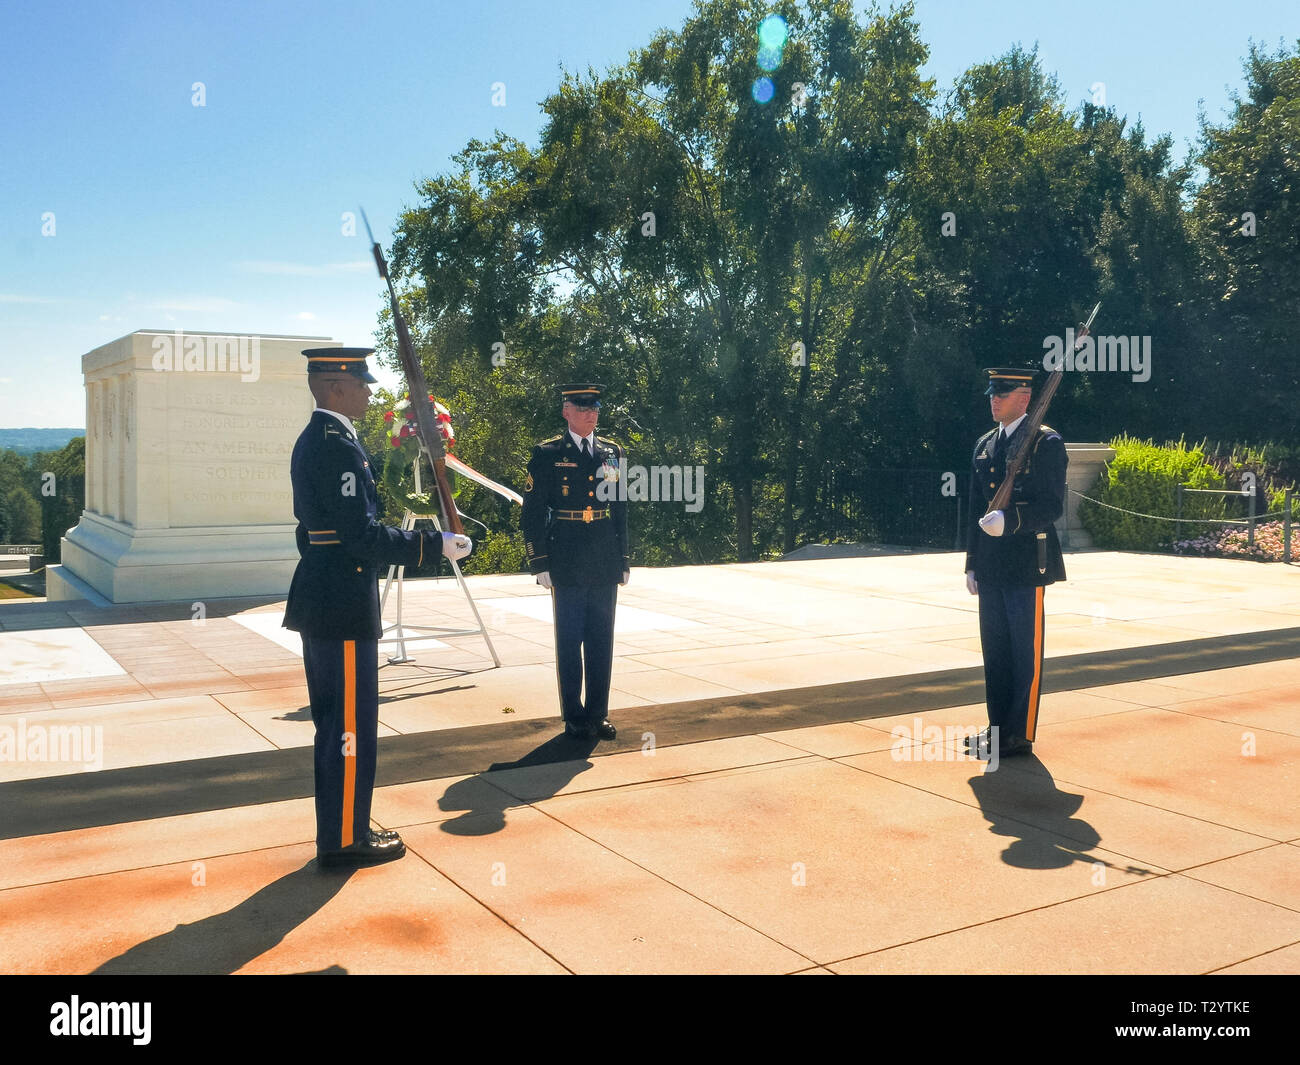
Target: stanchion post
point(1286, 526)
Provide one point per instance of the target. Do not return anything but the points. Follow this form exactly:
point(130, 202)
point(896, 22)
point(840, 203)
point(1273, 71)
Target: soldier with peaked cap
point(575, 531)
point(334, 601)
point(1011, 555)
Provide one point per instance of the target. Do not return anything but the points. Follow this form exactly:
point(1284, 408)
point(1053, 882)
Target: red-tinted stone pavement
point(783, 795)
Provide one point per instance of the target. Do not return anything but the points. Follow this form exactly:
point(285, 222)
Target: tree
point(689, 241)
point(24, 517)
point(62, 510)
point(1244, 220)
point(794, 286)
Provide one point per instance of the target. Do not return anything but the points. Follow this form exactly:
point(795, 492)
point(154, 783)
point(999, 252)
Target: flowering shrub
point(405, 442)
point(1231, 542)
point(1144, 477)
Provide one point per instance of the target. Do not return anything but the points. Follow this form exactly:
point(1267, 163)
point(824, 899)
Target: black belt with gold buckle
point(588, 515)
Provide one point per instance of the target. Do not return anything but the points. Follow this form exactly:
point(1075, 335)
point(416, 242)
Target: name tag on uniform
point(566, 464)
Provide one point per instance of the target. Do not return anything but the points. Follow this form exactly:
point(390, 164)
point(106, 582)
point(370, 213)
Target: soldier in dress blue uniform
point(1011, 556)
point(334, 601)
point(575, 533)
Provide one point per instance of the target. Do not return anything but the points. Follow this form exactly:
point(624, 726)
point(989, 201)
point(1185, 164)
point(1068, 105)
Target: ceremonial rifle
point(426, 421)
point(1033, 420)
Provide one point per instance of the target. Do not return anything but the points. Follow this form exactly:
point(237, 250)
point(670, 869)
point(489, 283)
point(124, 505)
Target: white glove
point(456, 545)
point(544, 579)
point(972, 585)
point(994, 523)
point(627, 576)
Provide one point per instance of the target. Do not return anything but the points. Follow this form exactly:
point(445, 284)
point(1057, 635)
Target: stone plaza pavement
point(782, 797)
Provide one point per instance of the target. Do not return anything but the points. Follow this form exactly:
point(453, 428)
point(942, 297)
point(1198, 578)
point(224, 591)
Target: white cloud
point(305, 316)
point(10, 297)
point(262, 266)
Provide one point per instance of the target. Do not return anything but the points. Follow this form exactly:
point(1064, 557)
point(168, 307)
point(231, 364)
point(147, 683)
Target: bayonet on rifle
point(1033, 421)
point(426, 421)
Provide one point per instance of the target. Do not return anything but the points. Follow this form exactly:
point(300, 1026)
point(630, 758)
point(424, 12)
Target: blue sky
point(226, 217)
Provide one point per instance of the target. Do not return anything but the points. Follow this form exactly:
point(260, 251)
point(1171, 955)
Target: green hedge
point(1144, 477)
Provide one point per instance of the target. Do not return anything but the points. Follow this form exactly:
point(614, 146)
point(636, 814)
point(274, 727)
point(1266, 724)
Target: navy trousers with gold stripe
point(1011, 634)
point(584, 642)
point(343, 685)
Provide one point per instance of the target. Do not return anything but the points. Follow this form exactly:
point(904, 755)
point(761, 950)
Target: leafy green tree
point(795, 292)
point(678, 237)
point(62, 510)
point(24, 517)
point(1052, 211)
point(1244, 218)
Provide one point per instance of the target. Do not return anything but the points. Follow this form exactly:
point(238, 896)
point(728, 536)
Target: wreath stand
point(401, 633)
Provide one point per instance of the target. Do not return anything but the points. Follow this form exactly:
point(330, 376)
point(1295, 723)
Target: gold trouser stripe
point(1031, 718)
point(555, 628)
point(349, 727)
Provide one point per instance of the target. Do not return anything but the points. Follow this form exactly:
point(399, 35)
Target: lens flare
point(772, 32)
point(763, 90)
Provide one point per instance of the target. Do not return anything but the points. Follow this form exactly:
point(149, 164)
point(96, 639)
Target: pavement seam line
point(1264, 954)
point(159, 865)
point(1237, 891)
point(1124, 798)
point(452, 880)
point(1225, 721)
point(1007, 917)
point(1166, 809)
point(1029, 824)
point(812, 963)
point(635, 783)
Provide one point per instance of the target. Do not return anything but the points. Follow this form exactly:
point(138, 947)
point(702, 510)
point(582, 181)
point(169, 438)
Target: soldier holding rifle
point(1012, 554)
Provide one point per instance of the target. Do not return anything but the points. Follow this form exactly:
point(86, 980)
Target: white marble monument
point(1086, 463)
point(188, 439)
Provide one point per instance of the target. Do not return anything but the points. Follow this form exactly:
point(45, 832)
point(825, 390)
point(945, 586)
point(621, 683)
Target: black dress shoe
point(1014, 747)
point(371, 850)
point(604, 731)
point(578, 732)
point(386, 834)
point(977, 743)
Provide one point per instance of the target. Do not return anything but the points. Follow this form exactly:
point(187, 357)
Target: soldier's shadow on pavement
point(225, 942)
point(1020, 799)
point(485, 804)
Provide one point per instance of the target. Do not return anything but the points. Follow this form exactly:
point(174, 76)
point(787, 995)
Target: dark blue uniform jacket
point(562, 484)
point(1037, 500)
point(343, 546)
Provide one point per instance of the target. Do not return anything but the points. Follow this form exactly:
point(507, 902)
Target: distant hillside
point(29, 441)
